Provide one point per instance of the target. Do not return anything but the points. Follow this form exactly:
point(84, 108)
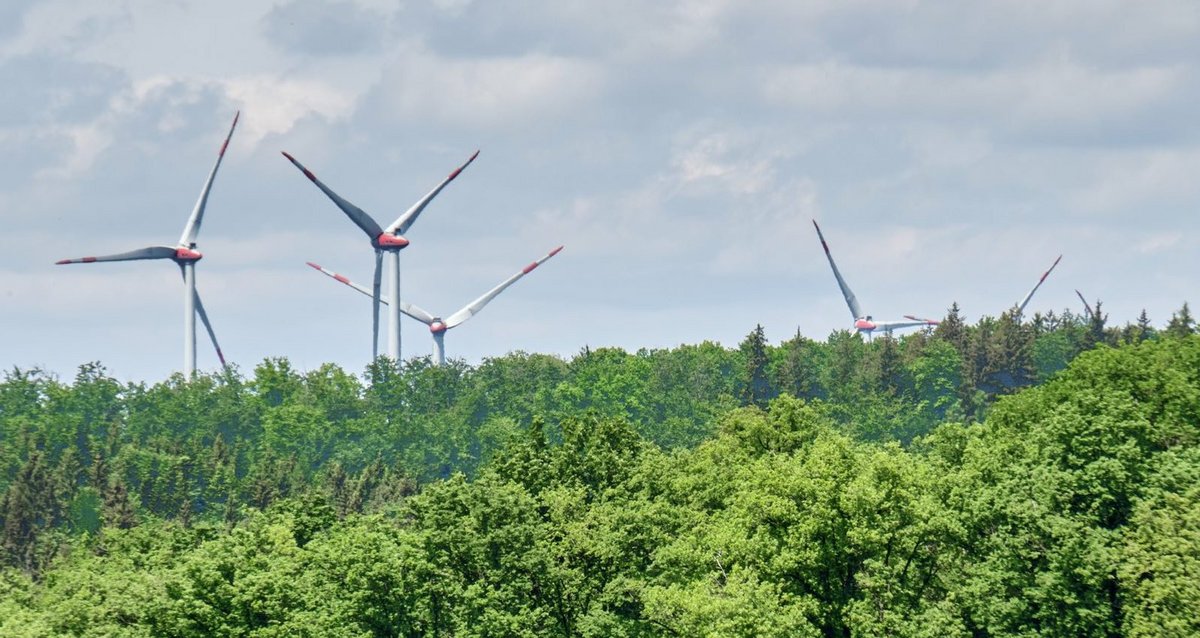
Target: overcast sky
point(679, 149)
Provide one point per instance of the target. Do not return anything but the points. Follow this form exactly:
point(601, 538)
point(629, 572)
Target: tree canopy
point(1007, 478)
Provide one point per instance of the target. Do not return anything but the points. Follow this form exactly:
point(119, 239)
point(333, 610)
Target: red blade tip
point(307, 173)
point(312, 265)
point(62, 261)
point(556, 251)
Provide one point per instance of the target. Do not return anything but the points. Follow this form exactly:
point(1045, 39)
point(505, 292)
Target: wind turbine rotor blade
point(888, 326)
point(1025, 301)
point(356, 214)
point(345, 280)
point(193, 223)
point(208, 327)
point(1085, 304)
point(204, 320)
point(417, 313)
point(151, 252)
point(851, 300)
point(402, 223)
point(375, 304)
point(923, 320)
point(407, 308)
point(475, 306)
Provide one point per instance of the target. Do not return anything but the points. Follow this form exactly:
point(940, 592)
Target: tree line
point(845, 487)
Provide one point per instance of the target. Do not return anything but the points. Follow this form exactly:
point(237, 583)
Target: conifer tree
point(28, 509)
point(890, 367)
point(799, 374)
point(364, 487)
point(1182, 324)
point(339, 495)
point(1144, 329)
point(1139, 331)
point(757, 390)
point(119, 510)
point(976, 365)
point(1095, 334)
point(952, 331)
point(1010, 357)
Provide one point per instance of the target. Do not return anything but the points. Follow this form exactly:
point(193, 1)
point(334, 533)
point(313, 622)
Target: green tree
point(1160, 560)
point(1182, 324)
point(756, 388)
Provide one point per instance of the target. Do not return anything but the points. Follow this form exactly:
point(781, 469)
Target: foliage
point(914, 487)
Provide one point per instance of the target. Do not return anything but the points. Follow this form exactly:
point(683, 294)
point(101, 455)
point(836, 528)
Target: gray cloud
point(12, 14)
point(324, 27)
point(42, 88)
point(678, 150)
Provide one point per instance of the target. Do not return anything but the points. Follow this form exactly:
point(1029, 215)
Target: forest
point(1011, 477)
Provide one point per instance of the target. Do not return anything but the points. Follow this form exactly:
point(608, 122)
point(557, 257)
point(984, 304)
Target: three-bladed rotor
point(863, 322)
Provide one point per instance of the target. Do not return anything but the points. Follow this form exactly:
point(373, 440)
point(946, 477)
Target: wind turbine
point(184, 254)
point(862, 321)
point(388, 240)
point(1025, 301)
point(438, 326)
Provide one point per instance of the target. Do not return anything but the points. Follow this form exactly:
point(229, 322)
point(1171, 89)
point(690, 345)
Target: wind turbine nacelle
point(187, 254)
point(437, 326)
point(864, 325)
point(388, 240)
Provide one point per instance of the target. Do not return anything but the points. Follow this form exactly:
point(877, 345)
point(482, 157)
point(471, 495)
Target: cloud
point(324, 27)
point(28, 152)
point(1158, 242)
point(719, 161)
point(678, 149)
point(1052, 94)
point(63, 27)
point(569, 28)
point(12, 14)
point(44, 89)
point(484, 93)
point(1149, 180)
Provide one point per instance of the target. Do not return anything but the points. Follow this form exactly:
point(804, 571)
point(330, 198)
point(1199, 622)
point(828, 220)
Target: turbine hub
point(437, 326)
point(388, 240)
point(187, 254)
point(864, 325)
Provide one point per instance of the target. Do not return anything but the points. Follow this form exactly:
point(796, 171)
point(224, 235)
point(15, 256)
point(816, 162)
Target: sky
point(678, 149)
